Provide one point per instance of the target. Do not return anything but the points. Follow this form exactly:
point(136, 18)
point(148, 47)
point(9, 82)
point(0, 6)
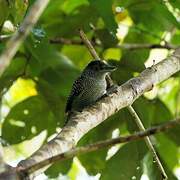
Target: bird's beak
point(109, 68)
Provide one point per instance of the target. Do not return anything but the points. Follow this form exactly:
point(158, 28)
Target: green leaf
point(71, 5)
point(43, 55)
point(94, 162)
point(150, 167)
point(27, 119)
point(13, 71)
point(55, 20)
point(166, 149)
point(134, 60)
point(104, 9)
point(175, 3)
point(125, 164)
point(58, 168)
point(79, 55)
point(60, 78)
point(157, 13)
point(176, 38)
point(4, 12)
point(55, 103)
point(18, 10)
point(122, 74)
point(106, 38)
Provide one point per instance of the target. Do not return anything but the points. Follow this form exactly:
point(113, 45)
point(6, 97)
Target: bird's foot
point(112, 89)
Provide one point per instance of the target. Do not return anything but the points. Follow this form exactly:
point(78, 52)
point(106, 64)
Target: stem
point(88, 45)
point(148, 141)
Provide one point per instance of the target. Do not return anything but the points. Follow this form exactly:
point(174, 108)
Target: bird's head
point(98, 68)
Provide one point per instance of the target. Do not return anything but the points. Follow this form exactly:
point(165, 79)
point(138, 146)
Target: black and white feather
point(89, 87)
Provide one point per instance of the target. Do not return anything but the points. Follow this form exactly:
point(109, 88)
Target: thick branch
point(101, 144)
point(16, 40)
point(82, 122)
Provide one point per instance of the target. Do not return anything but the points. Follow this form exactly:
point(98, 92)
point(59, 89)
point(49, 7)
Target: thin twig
point(148, 141)
point(99, 145)
point(88, 45)
point(133, 46)
point(128, 46)
point(61, 40)
point(16, 40)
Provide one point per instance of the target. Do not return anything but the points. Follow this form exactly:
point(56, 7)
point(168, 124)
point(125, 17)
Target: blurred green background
point(34, 88)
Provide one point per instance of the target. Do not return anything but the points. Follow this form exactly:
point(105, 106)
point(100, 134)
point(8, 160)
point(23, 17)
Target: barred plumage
point(89, 87)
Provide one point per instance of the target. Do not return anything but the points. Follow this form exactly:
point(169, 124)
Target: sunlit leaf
point(27, 119)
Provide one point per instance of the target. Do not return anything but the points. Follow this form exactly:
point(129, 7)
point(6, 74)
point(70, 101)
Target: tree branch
point(82, 122)
point(16, 40)
point(134, 46)
point(128, 46)
point(101, 144)
point(88, 44)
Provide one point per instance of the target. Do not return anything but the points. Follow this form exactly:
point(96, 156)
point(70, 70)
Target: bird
point(90, 86)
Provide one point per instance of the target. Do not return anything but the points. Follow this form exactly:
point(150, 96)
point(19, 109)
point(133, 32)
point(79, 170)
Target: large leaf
point(106, 38)
point(135, 59)
point(150, 168)
point(104, 9)
point(81, 17)
point(61, 79)
point(27, 119)
point(71, 5)
point(4, 11)
point(157, 13)
point(55, 103)
point(79, 55)
point(125, 164)
point(43, 55)
point(176, 38)
point(18, 10)
point(13, 71)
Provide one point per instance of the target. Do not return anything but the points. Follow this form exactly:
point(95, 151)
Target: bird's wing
point(75, 92)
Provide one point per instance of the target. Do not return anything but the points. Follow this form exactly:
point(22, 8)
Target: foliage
point(52, 68)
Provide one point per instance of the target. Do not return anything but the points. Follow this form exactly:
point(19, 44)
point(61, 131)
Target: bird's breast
point(93, 89)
